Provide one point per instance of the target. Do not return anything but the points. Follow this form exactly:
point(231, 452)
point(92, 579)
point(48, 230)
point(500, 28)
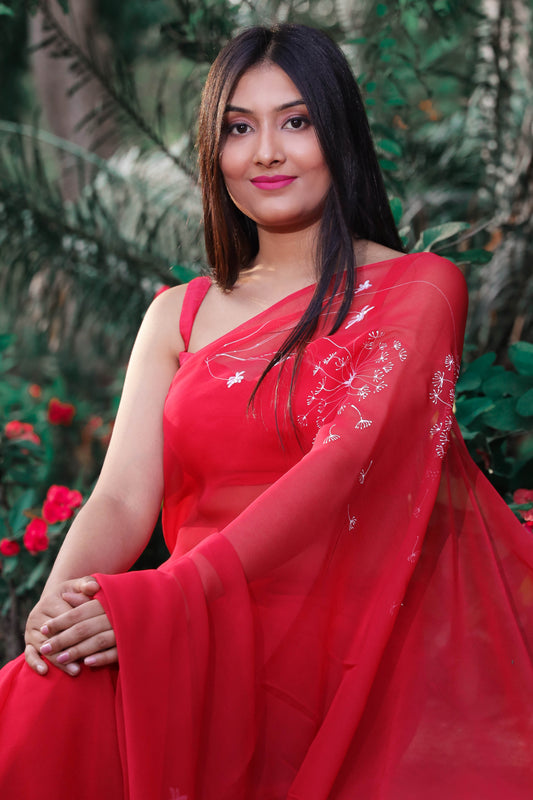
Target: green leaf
point(33, 578)
point(390, 146)
point(370, 86)
point(396, 208)
point(521, 355)
point(481, 366)
point(6, 339)
point(472, 407)
point(431, 236)
point(503, 417)
point(388, 165)
point(17, 518)
point(525, 405)
point(5, 11)
point(506, 384)
point(387, 42)
point(381, 9)
point(9, 566)
point(182, 274)
point(474, 256)
point(468, 382)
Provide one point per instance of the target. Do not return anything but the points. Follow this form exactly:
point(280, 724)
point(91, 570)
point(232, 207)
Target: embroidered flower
point(359, 316)
point(363, 286)
point(237, 378)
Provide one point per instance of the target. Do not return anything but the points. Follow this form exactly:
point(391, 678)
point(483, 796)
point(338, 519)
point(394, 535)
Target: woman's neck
point(286, 257)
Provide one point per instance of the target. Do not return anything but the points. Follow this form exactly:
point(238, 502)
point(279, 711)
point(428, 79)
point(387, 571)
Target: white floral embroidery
point(364, 473)
point(352, 521)
point(442, 394)
point(343, 381)
point(363, 287)
point(359, 316)
point(237, 378)
point(331, 437)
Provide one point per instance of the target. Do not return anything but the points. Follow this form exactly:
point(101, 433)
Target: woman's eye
point(239, 128)
point(297, 123)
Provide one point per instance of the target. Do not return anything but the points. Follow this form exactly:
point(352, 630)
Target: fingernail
point(90, 660)
point(41, 669)
point(72, 669)
point(63, 657)
point(44, 630)
point(46, 648)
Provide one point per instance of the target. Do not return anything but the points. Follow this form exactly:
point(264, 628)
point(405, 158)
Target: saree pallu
point(347, 611)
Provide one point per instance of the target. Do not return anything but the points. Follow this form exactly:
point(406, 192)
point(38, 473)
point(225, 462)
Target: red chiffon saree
point(347, 611)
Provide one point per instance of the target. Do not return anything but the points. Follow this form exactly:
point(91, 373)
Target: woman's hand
point(60, 599)
point(81, 633)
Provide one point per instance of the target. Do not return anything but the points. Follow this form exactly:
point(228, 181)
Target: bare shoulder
point(368, 252)
point(161, 321)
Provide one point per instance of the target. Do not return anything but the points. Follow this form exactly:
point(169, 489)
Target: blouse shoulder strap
point(194, 294)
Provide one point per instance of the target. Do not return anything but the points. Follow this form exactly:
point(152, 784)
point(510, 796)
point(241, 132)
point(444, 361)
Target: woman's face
point(271, 160)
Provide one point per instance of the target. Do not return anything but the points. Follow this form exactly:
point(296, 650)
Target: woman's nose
point(269, 150)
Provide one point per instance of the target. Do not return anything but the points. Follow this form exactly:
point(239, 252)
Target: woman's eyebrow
point(282, 107)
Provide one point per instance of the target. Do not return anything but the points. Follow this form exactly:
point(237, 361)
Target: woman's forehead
point(264, 86)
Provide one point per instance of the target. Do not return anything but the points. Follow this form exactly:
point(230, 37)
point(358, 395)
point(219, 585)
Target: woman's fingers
point(73, 616)
point(81, 632)
point(34, 660)
point(102, 659)
point(99, 643)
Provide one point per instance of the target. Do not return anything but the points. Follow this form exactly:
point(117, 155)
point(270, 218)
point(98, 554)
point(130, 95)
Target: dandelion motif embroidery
point(331, 437)
point(237, 378)
point(352, 521)
point(442, 394)
point(345, 380)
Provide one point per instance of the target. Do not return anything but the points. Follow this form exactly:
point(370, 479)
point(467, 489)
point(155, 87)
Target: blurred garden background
point(99, 210)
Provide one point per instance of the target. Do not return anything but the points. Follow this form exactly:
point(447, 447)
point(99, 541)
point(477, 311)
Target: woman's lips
point(273, 181)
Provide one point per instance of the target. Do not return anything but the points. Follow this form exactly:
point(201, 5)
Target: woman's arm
point(114, 526)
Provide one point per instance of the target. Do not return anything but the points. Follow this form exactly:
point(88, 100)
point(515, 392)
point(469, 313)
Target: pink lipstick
point(270, 182)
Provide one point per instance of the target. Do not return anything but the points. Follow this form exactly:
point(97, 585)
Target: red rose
point(58, 494)
point(54, 512)
point(60, 502)
point(60, 413)
point(35, 538)
point(8, 547)
point(21, 432)
point(74, 499)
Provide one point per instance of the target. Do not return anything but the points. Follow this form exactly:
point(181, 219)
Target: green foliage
point(494, 408)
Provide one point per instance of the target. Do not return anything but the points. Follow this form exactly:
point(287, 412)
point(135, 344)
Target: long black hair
point(356, 205)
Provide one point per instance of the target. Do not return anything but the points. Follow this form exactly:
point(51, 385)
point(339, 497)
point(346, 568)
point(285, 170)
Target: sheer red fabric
point(347, 610)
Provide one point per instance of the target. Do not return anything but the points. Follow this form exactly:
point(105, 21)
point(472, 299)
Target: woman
point(347, 608)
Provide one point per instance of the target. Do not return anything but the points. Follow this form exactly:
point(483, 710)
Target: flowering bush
point(41, 439)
